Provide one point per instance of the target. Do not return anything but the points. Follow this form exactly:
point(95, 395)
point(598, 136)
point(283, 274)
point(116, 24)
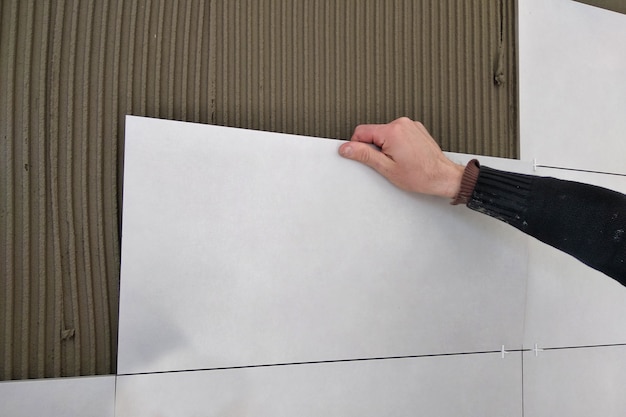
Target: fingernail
point(345, 150)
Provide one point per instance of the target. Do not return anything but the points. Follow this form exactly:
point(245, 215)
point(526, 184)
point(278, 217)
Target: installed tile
point(572, 63)
point(477, 385)
point(568, 303)
point(579, 382)
point(243, 247)
point(63, 397)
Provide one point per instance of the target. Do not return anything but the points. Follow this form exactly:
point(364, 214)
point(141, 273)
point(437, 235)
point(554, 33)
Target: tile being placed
point(568, 303)
point(243, 247)
point(578, 382)
point(572, 64)
point(63, 397)
point(463, 385)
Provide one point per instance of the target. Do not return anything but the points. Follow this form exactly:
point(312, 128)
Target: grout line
point(115, 395)
point(523, 398)
point(584, 347)
point(320, 362)
point(580, 170)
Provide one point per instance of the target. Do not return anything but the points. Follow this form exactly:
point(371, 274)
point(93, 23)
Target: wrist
point(453, 181)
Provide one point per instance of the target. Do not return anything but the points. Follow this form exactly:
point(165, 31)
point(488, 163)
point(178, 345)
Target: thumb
point(365, 154)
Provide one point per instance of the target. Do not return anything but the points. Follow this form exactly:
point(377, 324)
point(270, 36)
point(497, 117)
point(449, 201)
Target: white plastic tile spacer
point(503, 352)
point(537, 350)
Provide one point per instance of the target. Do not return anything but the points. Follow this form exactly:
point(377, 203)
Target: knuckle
point(402, 120)
point(357, 130)
point(396, 127)
point(363, 156)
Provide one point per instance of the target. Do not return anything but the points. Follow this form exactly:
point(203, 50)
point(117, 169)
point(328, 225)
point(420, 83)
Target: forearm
point(582, 220)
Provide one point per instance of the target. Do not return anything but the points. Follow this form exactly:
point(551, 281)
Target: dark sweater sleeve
point(585, 221)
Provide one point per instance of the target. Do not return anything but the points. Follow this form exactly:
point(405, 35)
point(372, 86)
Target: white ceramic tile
point(572, 66)
point(63, 397)
point(568, 303)
point(467, 385)
point(243, 247)
point(575, 382)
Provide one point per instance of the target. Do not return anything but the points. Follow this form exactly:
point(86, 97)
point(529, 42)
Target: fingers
point(369, 134)
point(367, 155)
point(379, 134)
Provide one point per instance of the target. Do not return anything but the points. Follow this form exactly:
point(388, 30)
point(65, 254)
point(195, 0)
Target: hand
point(408, 157)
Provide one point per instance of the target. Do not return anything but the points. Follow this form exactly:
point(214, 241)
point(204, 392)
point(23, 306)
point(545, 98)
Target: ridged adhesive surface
point(70, 70)
point(613, 5)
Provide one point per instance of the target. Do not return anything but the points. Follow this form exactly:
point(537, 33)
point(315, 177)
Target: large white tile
point(575, 382)
point(572, 66)
point(568, 303)
point(468, 385)
point(243, 247)
point(63, 397)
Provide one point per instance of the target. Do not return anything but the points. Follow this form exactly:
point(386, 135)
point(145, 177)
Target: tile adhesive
point(618, 6)
point(71, 70)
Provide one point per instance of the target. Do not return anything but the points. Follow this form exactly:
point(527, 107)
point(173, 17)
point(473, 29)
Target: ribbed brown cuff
point(468, 182)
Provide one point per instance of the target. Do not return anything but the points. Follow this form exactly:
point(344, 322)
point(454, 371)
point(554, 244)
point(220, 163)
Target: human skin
point(407, 156)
